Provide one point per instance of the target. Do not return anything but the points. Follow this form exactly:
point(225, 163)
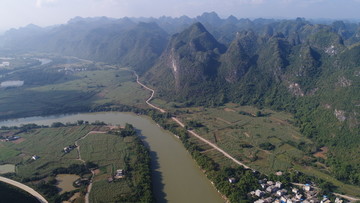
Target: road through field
point(80, 159)
point(183, 125)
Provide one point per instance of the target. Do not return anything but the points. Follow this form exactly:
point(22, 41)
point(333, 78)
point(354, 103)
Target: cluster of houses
point(9, 138)
point(4, 64)
point(71, 70)
point(274, 192)
point(69, 148)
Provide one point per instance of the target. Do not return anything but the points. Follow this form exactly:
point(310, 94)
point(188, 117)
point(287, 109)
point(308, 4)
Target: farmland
point(242, 133)
point(67, 85)
point(105, 152)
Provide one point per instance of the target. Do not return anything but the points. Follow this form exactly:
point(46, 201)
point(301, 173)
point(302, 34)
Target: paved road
point(25, 188)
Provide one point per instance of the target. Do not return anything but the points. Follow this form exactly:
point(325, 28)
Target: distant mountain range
point(311, 70)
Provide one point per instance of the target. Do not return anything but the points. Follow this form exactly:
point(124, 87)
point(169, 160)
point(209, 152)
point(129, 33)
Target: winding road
point(26, 188)
point(152, 94)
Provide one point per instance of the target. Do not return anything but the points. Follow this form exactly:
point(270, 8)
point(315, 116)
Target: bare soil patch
point(19, 140)
point(322, 153)
point(229, 110)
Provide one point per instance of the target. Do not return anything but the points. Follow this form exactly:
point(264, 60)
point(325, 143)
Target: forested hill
point(311, 70)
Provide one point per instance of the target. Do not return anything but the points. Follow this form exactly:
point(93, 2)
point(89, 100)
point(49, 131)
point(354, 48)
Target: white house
point(232, 180)
point(307, 187)
point(259, 193)
point(278, 184)
point(35, 157)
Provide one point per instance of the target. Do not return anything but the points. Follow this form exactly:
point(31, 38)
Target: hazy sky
point(15, 13)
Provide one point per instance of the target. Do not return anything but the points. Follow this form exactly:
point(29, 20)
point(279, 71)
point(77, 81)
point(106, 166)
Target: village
point(9, 138)
point(271, 191)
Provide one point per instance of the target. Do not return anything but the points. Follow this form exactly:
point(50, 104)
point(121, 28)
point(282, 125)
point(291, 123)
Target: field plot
point(265, 140)
point(108, 153)
point(48, 145)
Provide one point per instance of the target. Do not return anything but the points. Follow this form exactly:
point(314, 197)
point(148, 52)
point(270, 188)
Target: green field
point(46, 143)
point(64, 87)
point(110, 152)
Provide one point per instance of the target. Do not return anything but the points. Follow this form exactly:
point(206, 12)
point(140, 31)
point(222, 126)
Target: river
point(176, 176)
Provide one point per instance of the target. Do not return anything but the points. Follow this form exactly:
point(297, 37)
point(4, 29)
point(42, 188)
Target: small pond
point(65, 182)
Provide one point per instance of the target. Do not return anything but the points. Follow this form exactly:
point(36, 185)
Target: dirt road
point(80, 159)
point(25, 188)
point(211, 144)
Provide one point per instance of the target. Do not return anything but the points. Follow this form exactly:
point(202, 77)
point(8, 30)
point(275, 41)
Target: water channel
point(176, 177)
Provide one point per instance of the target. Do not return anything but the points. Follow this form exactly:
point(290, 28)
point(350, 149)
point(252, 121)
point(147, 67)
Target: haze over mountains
point(311, 70)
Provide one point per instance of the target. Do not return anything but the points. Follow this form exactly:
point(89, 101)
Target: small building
point(232, 180)
point(119, 174)
point(279, 173)
point(270, 182)
point(295, 190)
point(278, 184)
point(325, 199)
point(262, 181)
point(259, 193)
point(281, 192)
point(12, 138)
point(260, 201)
point(272, 189)
point(337, 200)
point(269, 199)
point(35, 157)
point(307, 187)
point(5, 64)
